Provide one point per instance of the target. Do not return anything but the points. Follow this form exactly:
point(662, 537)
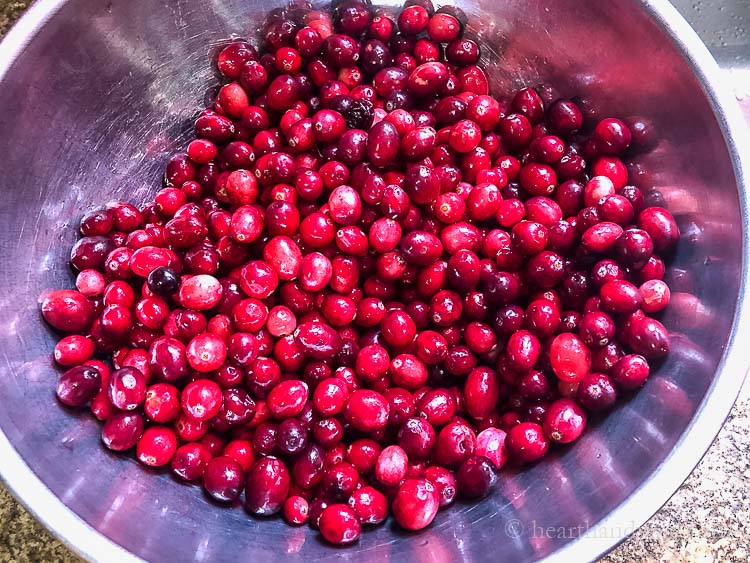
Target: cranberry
point(596, 392)
point(481, 392)
point(366, 410)
point(630, 372)
point(223, 479)
point(369, 504)
point(416, 503)
point(122, 430)
point(339, 524)
point(527, 442)
point(612, 136)
point(564, 421)
point(190, 461)
point(206, 352)
point(78, 385)
point(68, 311)
point(267, 486)
point(127, 388)
point(157, 446)
point(437, 406)
point(202, 399)
point(296, 510)
point(620, 296)
point(569, 357)
point(391, 466)
point(656, 296)
point(476, 477)
point(162, 403)
point(417, 438)
point(455, 443)
point(287, 399)
point(523, 350)
point(73, 350)
point(491, 444)
point(660, 226)
point(319, 341)
point(649, 338)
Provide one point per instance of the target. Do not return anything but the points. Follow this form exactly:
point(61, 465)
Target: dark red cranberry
point(266, 487)
point(476, 477)
point(596, 392)
point(78, 385)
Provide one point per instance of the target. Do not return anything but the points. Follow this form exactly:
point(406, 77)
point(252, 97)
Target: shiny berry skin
point(266, 487)
point(416, 504)
point(596, 392)
point(122, 430)
point(206, 352)
point(564, 421)
point(527, 442)
point(491, 443)
point(127, 388)
point(78, 385)
point(476, 477)
point(366, 410)
point(190, 461)
point(339, 524)
point(202, 399)
point(287, 399)
point(296, 510)
point(223, 479)
point(68, 311)
point(157, 446)
point(570, 358)
point(163, 281)
point(612, 136)
point(370, 505)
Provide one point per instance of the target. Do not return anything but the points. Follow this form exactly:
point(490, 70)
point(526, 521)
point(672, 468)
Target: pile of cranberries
point(368, 283)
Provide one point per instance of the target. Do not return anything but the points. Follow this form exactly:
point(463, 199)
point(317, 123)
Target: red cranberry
point(417, 438)
point(223, 479)
point(190, 461)
point(416, 503)
point(266, 487)
point(68, 311)
point(630, 372)
point(339, 524)
point(157, 446)
point(612, 136)
point(370, 505)
point(649, 338)
point(564, 421)
point(296, 510)
point(660, 226)
point(122, 430)
point(366, 410)
point(202, 399)
point(491, 444)
point(527, 442)
point(127, 388)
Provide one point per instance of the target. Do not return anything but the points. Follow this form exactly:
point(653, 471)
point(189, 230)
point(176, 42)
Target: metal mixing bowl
point(95, 95)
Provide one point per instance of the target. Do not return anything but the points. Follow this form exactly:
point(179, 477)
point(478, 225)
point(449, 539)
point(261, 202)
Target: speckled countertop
point(707, 520)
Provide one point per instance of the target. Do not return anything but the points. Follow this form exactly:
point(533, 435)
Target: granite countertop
point(708, 518)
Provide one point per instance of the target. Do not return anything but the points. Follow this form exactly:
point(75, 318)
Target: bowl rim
point(645, 501)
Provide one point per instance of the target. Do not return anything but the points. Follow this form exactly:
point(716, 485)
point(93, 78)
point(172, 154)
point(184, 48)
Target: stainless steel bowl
point(94, 96)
